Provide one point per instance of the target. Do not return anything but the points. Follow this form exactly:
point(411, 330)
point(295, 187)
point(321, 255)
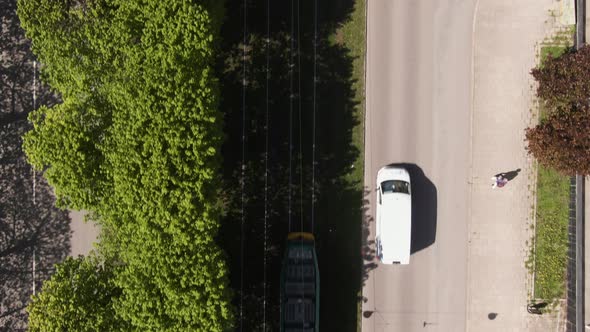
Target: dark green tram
point(300, 285)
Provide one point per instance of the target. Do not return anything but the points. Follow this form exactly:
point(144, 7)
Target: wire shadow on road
point(424, 207)
point(338, 211)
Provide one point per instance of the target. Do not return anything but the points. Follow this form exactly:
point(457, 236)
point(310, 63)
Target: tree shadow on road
point(368, 241)
point(30, 224)
point(17, 70)
point(337, 212)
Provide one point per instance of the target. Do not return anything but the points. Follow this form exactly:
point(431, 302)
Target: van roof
point(392, 173)
point(396, 227)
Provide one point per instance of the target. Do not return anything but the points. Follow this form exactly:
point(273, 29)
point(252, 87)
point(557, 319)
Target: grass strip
point(551, 234)
point(550, 252)
point(353, 36)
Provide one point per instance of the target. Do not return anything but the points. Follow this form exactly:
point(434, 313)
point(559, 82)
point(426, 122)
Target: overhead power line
point(291, 65)
point(315, 42)
point(266, 164)
point(243, 168)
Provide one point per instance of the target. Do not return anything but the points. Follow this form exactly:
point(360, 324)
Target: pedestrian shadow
point(509, 175)
point(424, 207)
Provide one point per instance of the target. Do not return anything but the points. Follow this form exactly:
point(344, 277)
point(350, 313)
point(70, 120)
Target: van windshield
point(395, 186)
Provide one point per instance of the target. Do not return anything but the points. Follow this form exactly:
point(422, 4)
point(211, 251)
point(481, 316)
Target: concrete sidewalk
point(84, 234)
point(506, 35)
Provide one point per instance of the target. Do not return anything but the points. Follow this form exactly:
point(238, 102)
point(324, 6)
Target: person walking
point(499, 181)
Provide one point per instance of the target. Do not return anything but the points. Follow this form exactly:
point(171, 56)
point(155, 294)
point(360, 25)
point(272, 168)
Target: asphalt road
point(419, 57)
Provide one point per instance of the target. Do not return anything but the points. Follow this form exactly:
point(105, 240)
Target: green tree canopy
point(136, 141)
point(66, 140)
point(78, 297)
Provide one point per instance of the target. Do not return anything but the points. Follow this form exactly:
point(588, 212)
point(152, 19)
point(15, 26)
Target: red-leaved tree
point(564, 80)
point(562, 141)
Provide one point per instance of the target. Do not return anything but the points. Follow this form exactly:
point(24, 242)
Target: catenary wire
point(243, 171)
point(266, 164)
point(315, 41)
point(291, 115)
point(300, 154)
point(299, 111)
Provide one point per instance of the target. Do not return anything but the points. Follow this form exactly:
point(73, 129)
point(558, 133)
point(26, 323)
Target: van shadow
point(424, 208)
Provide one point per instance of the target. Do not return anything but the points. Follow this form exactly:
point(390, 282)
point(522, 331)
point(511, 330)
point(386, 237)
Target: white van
point(394, 215)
